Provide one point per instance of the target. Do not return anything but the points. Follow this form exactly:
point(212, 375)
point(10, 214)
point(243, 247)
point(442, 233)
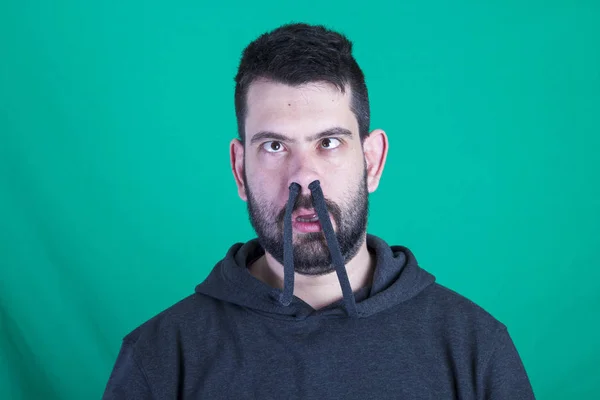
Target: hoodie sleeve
point(127, 380)
point(504, 376)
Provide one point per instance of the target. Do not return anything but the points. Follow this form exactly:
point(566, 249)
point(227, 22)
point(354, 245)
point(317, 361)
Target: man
point(314, 308)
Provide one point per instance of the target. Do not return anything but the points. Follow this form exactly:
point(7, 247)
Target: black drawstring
point(334, 249)
point(285, 298)
point(288, 251)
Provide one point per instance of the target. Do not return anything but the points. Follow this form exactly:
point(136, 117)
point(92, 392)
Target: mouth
point(306, 221)
point(305, 215)
point(307, 218)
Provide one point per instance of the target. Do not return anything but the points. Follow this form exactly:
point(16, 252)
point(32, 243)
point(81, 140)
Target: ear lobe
point(236, 155)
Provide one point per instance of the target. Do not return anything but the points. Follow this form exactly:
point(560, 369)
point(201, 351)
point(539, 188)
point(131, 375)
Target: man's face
point(301, 134)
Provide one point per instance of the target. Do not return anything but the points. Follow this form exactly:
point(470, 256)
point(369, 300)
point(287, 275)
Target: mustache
point(305, 201)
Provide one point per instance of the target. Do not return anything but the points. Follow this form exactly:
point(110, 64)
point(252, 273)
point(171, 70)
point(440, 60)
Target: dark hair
point(295, 54)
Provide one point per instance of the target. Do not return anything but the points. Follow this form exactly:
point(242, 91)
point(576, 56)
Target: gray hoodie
point(407, 338)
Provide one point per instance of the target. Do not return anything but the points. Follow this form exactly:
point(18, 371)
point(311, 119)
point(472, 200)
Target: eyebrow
point(337, 131)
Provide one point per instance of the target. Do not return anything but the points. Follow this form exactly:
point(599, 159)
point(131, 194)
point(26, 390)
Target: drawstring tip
point(283, 301)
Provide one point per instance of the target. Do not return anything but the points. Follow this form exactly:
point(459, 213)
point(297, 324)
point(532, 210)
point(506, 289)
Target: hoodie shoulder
point(151, 358)
point(475, 334)
point(454, 308)
point(191, 314)
point(453, 320)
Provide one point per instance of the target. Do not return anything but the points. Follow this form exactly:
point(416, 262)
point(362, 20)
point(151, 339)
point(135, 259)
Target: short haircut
point(295, 54)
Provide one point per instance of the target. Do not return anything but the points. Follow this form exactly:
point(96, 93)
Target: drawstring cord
point(337, 259)
point(334, 249)
point(288, 250)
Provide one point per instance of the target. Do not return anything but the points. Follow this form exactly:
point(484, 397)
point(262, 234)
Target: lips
point(305, 216)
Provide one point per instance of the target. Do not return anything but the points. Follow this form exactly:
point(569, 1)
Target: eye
point(330, 143)
point(273, 146)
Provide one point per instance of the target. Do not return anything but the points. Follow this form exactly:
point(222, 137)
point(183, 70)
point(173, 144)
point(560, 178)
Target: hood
point(397, 278)
point(231, 281)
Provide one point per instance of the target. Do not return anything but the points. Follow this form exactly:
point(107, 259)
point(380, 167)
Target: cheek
point(269, 186)
point(350, 180)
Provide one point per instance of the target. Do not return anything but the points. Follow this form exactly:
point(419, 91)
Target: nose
point(302, 170)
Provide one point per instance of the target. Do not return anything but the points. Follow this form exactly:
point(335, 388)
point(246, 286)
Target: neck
point(322, 290)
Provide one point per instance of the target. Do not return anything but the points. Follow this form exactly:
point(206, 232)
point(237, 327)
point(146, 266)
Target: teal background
point(116, 196)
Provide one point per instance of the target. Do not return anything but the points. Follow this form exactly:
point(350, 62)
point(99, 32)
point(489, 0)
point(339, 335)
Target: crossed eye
point(275, 146)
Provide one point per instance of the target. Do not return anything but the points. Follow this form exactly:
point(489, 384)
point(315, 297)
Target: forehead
point(297, 111)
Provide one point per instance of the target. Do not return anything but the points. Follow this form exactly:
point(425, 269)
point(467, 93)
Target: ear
point(375, 148)
point(236, 155)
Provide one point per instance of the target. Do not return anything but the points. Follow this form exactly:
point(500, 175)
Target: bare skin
point(284, 145)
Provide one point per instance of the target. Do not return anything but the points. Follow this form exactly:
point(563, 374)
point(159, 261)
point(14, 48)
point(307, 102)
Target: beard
point(311, 253)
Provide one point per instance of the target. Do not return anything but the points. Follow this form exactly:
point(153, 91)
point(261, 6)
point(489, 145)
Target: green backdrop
point(116, 196)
